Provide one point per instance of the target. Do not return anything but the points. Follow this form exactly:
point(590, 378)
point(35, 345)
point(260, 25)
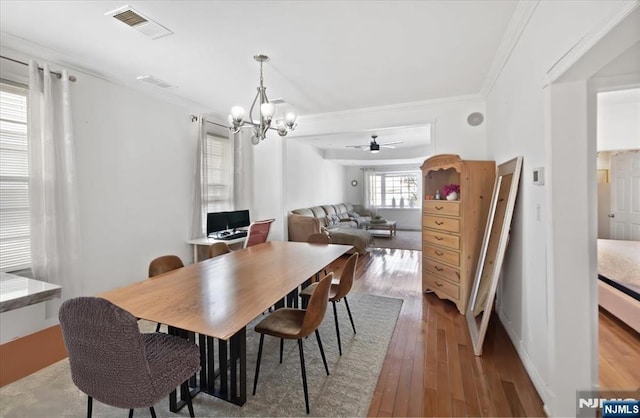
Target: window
point(15, 242)
point(399, 189)
point(219, 174)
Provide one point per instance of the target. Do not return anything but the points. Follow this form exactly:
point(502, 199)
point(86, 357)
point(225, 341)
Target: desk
point(17, 291)
point(208, 241)
point(218, 297)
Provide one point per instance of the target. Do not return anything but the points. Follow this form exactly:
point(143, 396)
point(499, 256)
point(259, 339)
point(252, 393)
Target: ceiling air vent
point(155, 81)
point(139, 22)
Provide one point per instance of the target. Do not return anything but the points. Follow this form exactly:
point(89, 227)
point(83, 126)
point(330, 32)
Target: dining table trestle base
point(223, 372)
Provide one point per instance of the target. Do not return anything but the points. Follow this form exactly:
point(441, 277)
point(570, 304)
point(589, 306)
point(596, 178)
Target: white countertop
point(17, 291)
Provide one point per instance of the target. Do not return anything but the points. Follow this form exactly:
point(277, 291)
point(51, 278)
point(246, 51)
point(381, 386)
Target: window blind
point(219, 163)
point(15, 242)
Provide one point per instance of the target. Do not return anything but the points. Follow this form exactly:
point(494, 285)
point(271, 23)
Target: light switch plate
point(538, 176)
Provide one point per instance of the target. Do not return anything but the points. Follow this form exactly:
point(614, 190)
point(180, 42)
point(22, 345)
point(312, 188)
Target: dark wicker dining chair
point(163, 264)
point(114, 363)
point(338, 292)
point(296, 324)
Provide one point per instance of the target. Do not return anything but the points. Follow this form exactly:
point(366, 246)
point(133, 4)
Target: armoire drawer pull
point(438, 284)
point(458, 274)
point(439, 268)
point(439, 238)
point(439, 207)
point(439, 223)
point(438, 253)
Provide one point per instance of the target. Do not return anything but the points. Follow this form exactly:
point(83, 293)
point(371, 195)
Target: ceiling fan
point(374, 146)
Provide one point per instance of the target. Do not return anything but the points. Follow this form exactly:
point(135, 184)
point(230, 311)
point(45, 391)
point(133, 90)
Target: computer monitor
point(239, 218)
point(217, 221)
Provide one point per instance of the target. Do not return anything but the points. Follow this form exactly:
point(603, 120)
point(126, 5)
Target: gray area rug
point(346, 392)
point(404, 240)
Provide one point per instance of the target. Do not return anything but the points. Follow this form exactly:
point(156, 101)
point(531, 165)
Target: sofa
point(342, 222)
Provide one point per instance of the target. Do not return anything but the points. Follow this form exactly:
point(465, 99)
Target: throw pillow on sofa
point(333, 220)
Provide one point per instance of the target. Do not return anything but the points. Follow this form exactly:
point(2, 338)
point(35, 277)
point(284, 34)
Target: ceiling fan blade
point(387, 146)
point(391, 143)
point(358, 146)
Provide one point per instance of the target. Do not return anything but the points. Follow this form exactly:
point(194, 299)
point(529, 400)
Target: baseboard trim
point(532, 371)
point(26, 355)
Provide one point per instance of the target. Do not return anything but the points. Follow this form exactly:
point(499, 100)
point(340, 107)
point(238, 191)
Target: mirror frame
point(514, 167)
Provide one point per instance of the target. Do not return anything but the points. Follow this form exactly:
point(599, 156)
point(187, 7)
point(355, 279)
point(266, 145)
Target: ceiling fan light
point(374, 147)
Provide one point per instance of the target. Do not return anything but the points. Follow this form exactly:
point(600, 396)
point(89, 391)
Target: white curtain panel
point(55, 242)
point(370, 186)
point(198, 227)
point(242, 172)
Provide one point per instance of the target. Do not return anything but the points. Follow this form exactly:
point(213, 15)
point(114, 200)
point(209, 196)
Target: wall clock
point(354, 183)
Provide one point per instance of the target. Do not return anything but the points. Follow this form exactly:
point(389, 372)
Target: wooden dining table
point(214, 300)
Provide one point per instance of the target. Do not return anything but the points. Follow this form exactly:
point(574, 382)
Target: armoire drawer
point(441, 207)
point(441, 254)
point(439, 238)
point(443, 224)
point(443, 270)
point(444, 286)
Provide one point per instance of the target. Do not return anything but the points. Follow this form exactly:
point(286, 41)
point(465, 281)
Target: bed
point(619, 279)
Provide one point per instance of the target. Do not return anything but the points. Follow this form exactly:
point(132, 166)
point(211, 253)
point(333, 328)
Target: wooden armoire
point(452, 230)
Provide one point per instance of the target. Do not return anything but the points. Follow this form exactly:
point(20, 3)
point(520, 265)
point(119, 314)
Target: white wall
point(618, 124)
point(268, 184)
point(518, 115)
point(135, 160)
point(312, 180)
point(354, 194)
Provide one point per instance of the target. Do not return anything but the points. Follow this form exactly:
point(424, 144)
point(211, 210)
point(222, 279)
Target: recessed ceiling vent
point(139, 22)
point(155, 81)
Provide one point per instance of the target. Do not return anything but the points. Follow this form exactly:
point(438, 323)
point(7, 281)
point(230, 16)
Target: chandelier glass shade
point(266, 112)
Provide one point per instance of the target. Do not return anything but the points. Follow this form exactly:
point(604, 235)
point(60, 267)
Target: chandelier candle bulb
point(290, 118)
point(267, 110)
point(237, 113)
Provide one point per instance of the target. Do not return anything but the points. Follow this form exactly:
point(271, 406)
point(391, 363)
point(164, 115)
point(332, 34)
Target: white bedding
point(620, 261)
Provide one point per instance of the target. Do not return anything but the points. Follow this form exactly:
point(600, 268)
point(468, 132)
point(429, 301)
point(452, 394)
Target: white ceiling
point(326, 56)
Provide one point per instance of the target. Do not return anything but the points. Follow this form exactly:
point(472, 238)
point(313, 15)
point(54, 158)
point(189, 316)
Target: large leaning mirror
point(494, 245)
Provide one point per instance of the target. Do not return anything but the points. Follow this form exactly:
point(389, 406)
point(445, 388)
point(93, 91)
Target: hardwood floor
point(619, 354)
point(430, 368)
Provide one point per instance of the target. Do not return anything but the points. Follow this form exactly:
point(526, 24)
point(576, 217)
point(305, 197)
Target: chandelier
point(266, 112)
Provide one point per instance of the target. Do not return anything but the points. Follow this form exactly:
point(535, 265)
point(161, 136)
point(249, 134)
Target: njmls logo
point(611, 404)
point(614, 409)
point(598, 402)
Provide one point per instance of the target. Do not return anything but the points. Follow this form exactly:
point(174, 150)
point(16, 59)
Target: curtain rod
point(195, 118)
point(58, 75)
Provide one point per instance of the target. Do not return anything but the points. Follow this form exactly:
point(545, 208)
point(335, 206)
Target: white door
point(625, 196)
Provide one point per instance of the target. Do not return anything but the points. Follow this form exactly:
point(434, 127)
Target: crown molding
point(517, 24)
point(588, 41)
point(395, 107)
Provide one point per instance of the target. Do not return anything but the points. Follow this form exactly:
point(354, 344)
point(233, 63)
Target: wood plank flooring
point(619, 352)
point(430, 368)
